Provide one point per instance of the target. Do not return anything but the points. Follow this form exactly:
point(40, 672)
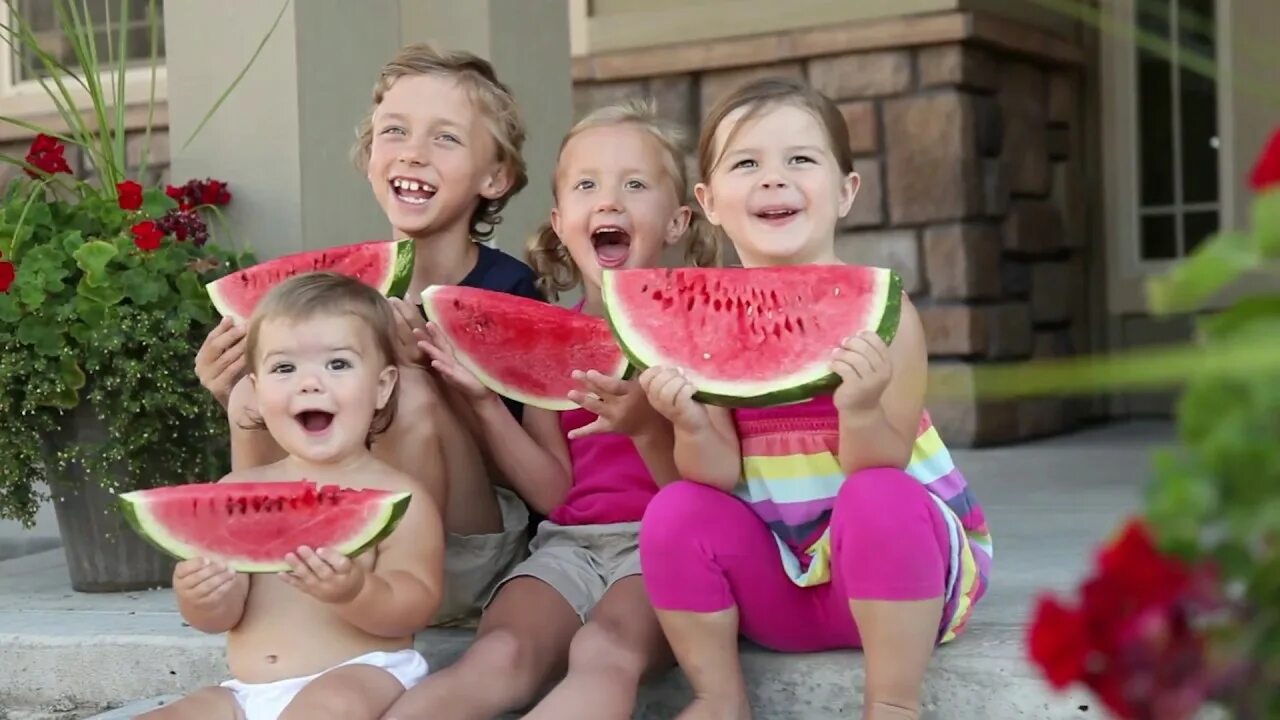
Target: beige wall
point(283, 137)
point(1250, 94)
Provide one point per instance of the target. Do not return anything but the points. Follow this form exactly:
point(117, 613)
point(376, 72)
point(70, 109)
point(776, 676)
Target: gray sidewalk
point(1048, 504)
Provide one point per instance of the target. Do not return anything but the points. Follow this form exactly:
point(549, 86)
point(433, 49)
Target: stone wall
point(972, 188)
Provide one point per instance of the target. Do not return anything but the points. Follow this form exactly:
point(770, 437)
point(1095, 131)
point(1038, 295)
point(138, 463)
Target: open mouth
point(315, 422)
point(777, 215)
point(411, 191)
point(612, 244)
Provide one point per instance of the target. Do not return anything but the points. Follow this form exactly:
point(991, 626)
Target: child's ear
point(702, 193)
point(497, 183)
point(386, 383)
point(849, 185)
point(679, 224)
point(555, 222)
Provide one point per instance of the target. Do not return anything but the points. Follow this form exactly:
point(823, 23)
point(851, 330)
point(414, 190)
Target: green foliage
point(93, 318)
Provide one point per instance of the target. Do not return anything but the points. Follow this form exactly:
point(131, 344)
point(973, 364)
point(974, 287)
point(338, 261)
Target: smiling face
point(319, 380)
point(616, 201)
point(777, 188)
point(432, 157)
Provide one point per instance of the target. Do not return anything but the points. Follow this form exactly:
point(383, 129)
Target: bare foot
point(885, 711)
point(706, 709)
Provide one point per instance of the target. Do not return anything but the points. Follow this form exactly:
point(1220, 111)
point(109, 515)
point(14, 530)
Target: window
point(20, 68)
point(1177, 130)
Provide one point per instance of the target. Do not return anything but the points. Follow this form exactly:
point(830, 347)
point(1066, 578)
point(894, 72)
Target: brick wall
point(972, 188)
point(157, 159)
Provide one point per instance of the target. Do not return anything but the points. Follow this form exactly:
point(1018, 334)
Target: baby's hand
point(437, 347)
point(326, 575)
point(863, 365)
point(671, 394)
point(201, 583)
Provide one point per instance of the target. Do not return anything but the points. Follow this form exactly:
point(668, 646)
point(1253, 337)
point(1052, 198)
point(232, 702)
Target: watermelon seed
point(706, 356)
point(836, 291)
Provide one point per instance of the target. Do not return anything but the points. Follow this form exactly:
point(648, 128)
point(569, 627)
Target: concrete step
point(1048, 504)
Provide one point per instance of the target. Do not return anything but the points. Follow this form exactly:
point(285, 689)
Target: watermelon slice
point(384, 265)
point(522, 349)
point(749, 337)
point(252, 526)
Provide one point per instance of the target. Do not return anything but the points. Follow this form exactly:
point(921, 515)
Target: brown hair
point(317, 294)
point(493, 99)
point(760, 95)
point(548, 256)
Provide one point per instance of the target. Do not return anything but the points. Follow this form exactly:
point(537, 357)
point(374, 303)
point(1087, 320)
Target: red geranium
point(129, 194)
point(46, 154)
point(1131, 640)
point(147, 236)
point(1266, 173)
point(7, 273)
point(199, 192)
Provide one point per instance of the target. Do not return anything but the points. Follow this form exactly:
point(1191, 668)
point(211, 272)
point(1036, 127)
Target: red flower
point(199, 192)
point(129, 195)
point(7, 274)
point(147, 236)
point(179, 195)
point(46, 155)
point(1266, 173)
point(214, 192)
point(1058, 642)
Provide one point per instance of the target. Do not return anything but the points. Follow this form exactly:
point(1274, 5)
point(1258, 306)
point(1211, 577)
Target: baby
point(333, 636)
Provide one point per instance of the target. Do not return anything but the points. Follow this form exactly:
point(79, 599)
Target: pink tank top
point(611, 483)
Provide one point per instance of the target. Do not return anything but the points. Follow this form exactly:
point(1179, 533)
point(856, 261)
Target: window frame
point(28, 99)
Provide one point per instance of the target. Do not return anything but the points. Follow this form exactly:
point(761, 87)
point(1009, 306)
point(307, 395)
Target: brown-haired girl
point(833, 523)
point(575, 614)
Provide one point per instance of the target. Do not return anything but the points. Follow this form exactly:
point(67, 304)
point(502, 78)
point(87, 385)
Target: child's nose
point(608, 202)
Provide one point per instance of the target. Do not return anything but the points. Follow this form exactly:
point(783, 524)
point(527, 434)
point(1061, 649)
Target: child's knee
point(602, 646)
point(875, 502)
point(502, 653)
point(676, 514)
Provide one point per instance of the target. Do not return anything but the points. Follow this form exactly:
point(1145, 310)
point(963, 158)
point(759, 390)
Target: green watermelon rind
point(545, 402)
point(812, 382)
point(395, 284)
point(133, 508)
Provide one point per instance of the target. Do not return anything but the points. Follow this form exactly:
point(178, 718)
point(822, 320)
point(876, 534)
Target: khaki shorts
point(474, 565)
point(581, 561)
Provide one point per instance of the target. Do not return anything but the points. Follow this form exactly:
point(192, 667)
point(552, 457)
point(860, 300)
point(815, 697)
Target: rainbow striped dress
point(791, 475)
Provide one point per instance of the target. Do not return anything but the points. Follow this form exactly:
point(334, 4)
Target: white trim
point(1123, 208)
point(28, 99)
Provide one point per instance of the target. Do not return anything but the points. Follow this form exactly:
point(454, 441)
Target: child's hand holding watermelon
point(220, 360)
point(620, 405)
point(444, 361)
point(865, 369)
point(211, 594)
point(671, 394)
point(326, 575)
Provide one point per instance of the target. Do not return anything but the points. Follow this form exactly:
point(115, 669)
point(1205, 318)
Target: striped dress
point(791, 475)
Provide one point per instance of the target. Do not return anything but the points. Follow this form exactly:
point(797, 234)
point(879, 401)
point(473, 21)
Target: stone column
point(283, 137)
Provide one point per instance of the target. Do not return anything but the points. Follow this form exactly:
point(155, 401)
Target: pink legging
point(704, 550)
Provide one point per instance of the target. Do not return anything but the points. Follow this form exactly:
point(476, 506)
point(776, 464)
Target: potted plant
point(102, 307)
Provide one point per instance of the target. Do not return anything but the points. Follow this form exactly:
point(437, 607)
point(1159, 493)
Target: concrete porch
point(68, 655)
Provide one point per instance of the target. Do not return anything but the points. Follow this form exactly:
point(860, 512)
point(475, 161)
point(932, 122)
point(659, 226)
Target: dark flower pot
point(103, 553)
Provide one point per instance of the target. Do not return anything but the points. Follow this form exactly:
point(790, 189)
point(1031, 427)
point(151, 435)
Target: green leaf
point(42, 335)
point(10, 312)
point(156, 203)
point(69, 372)
point(1266, 222)
point(1214, 264)
point(71, 241)
point(201, 312)
point(1240, 316)
point(106, 294)
point(92, 257)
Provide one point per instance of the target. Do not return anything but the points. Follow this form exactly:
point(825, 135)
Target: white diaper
point(265, 701)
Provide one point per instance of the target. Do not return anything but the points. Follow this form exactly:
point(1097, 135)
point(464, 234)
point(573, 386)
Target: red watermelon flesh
point(252, 526)
point(749, 336)
point(386, 266)
point(522, 349)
